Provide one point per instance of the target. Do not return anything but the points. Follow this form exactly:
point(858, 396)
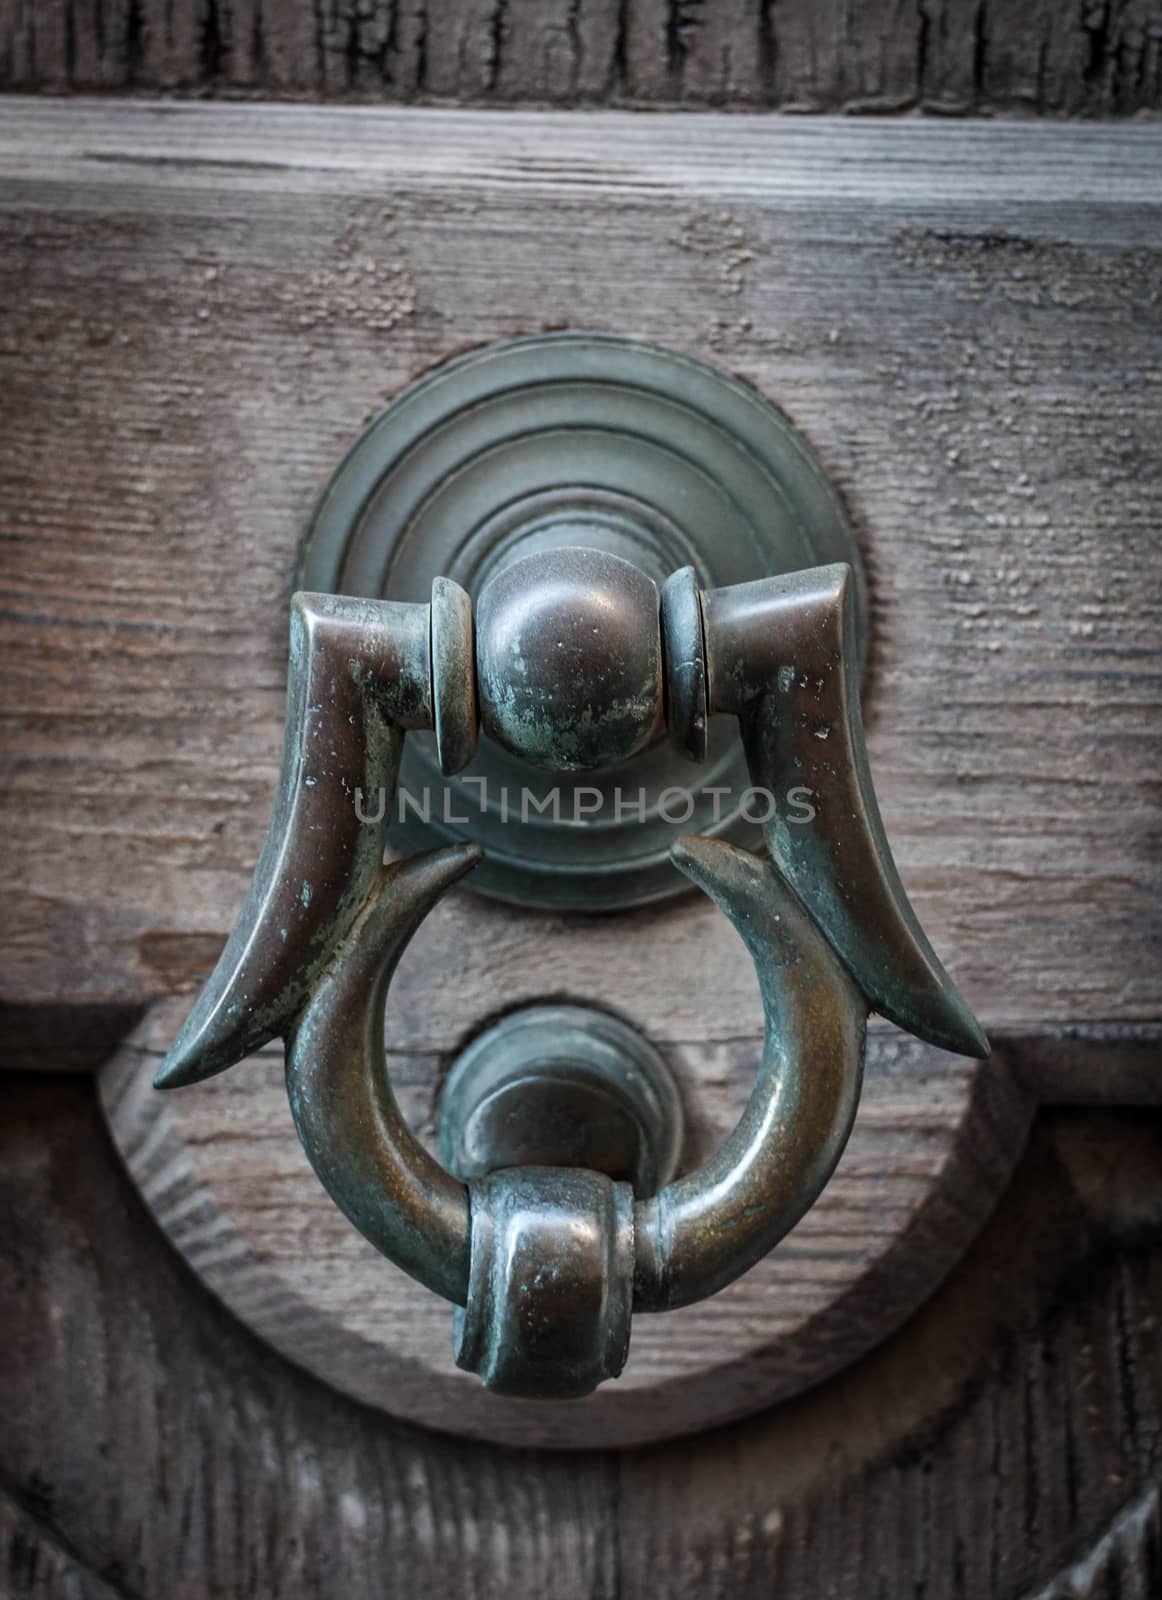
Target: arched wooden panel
point(1005, 1441)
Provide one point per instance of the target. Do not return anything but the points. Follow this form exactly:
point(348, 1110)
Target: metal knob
point(577, 662)
point(569, 659)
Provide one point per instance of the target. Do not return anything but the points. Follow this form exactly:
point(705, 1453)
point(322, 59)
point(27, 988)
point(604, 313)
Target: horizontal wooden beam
point(183, 148)
point(205, 303)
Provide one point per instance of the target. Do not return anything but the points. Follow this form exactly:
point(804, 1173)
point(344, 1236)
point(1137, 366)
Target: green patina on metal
point(562, 1086)
point(553, 1119)
point(535, 1231)
point(566, 440)
point(569, 660)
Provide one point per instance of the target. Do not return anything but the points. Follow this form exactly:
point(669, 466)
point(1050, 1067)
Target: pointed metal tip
point(725, 872)
point(410, 887)
point(701, 859)
point(185, 1063)
point(689, 852)
point(428, 874)
point(974, 1040)
point(203, 1048)
point(209, 1044)
point(721, 870)
point(940, 1016)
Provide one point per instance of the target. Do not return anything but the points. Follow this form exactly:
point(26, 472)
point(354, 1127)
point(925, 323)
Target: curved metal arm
point(359, 676)
point(781, 657)
point(825, 920)
point(366, 1156)
point(700, 1232)
point(705, 1230)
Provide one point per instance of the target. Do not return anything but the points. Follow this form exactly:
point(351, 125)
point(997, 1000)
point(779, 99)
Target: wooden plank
point(935, 1143)
point(202, 305)
point(226, 1472)
point(62, 1038)
point(1005, 1442)
point(205, 303)
point(946, 56)
point(1000, 1476)
point(34, 1562)
point(223, 1173)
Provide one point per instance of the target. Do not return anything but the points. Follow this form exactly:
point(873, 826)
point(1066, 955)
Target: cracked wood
point(1092, 58)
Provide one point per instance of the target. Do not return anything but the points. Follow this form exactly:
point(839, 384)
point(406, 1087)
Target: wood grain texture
point(1123, 1563)
point(34, 1560)
point(200, 306)
point(905, 1475)
point(934, 1145)
point(1004, 1443)
point(223, 1173)
point(946, 56)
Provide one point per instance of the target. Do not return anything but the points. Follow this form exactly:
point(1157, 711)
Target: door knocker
point(554, 1212)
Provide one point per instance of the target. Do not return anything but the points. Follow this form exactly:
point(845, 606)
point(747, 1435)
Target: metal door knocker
point(556, 473)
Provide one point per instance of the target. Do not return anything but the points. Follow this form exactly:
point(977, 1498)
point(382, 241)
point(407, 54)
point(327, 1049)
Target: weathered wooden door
point(948, 1380)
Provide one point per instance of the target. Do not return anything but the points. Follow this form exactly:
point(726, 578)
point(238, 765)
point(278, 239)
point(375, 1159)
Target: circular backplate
point(574, 439)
